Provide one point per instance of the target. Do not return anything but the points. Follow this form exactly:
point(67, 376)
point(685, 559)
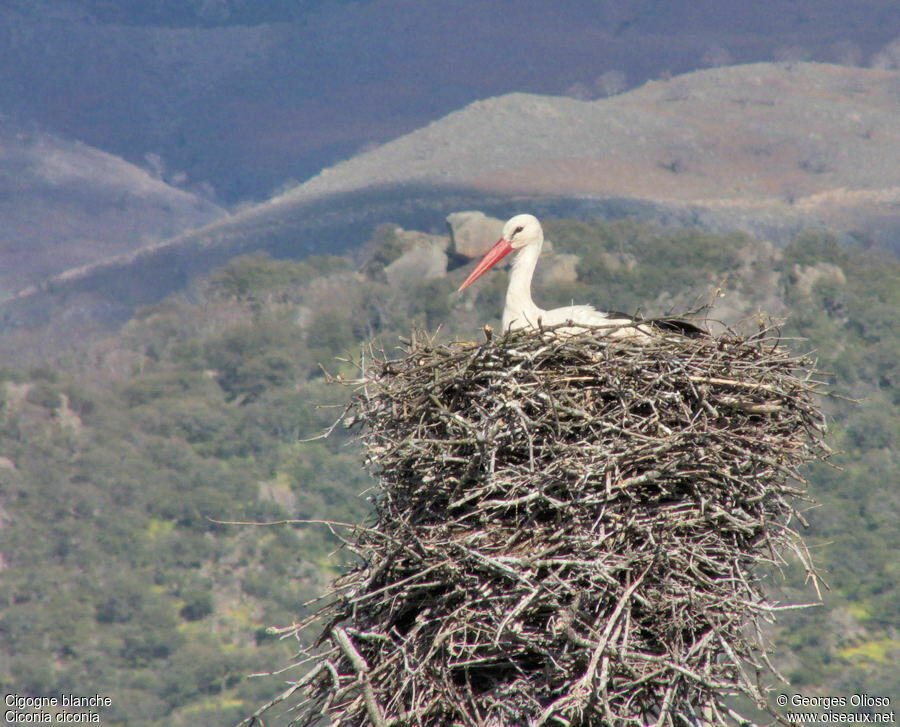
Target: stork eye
point(518, 230)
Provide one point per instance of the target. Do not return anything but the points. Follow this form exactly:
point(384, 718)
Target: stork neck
point(520, 309)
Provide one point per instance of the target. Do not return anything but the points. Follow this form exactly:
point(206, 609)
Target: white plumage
point(524, 235)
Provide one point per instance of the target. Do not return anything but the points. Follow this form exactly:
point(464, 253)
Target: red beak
point(494, 256)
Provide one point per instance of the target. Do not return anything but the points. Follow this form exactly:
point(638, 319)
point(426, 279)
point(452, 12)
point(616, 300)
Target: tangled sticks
point(566, 532)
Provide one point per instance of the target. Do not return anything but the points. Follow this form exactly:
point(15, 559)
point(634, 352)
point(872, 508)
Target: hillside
point(64, 204)
point(244, 96)
point(120, 464)
point(759, 139)
point(770, 149)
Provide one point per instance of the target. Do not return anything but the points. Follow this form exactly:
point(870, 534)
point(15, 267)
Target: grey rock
point(805, 277)
point(425, 258)
point(559, 268)
point(473, 233)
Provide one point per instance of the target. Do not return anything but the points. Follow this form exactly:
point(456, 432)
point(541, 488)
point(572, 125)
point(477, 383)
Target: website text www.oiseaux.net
point(838, 710)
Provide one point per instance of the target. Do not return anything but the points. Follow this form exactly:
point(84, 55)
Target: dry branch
point(566, 532)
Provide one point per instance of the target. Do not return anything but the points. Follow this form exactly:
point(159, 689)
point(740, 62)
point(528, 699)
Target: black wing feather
point(672, 325)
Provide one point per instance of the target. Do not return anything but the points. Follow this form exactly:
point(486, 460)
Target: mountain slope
point(119, 467)
point(756, 133)
point(245, 95)
point(768, 149)
point(64, 204)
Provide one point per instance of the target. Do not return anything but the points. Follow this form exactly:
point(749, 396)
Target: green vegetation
point(119, 474)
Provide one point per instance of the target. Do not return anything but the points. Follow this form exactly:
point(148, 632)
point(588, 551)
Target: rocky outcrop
point(425, 258)
point(806, 277)
point(472, 233)
point(559, 268)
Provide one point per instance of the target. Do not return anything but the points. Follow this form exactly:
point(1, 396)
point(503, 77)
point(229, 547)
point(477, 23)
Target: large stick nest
point(566, 532)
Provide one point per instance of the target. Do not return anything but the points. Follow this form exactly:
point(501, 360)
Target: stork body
point(523, 234)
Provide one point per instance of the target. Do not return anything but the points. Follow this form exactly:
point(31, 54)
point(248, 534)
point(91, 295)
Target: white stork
point(523, 233)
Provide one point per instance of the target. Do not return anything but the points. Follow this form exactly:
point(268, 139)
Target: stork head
point(518, 232)
point(522, 230)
